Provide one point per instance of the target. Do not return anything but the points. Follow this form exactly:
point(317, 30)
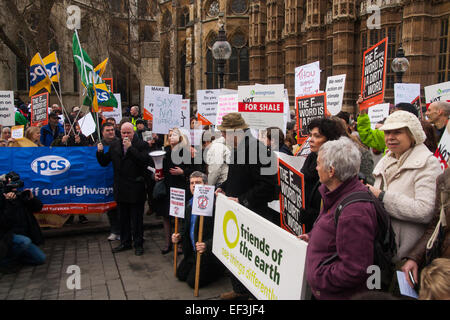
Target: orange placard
point(373, 79)
point(39, 109)
point(147, 115)
point(203, 120)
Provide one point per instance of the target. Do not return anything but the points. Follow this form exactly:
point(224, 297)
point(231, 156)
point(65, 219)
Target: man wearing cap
point(252, 177)
point(438, 113)
point(52, 130)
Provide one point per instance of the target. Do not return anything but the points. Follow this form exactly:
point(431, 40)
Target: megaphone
point(158, 157)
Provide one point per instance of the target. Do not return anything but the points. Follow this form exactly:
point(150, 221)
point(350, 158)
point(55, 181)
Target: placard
point(443, 150)
point(116, 113)
point(39, 107)
point(378, 113)
point(307, 79)
point(87, 124)
point(437, 92)
point(226, 104)
point(7, 110)
point(147, 136)
point(335, 93)
point(409, 93)
point(17, 132)
point(262, 106)
point(292, 197)
point(177, 202)
point(185, 120)
point(166, 112)
point(374, 75)
point(149, 98)
point(309, 108)
point(203, 201)
point(267, 260)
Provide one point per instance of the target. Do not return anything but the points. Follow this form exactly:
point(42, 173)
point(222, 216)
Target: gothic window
point(392, 51)
point(444, 52)
point(183, 74)
point(239, 60)
point(239, 6)
point(329, 66)
point(212, 9)
point(184, 18)
point(166, 21)
point(21, 70)
point(145, 32)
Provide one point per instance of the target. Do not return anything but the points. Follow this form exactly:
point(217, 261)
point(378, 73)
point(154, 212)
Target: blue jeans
point(24, 251)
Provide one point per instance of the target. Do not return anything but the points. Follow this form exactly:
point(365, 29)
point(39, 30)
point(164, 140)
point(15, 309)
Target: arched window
point(212, 8)
point(184, 18)
point(239, 6)
point(239, 61)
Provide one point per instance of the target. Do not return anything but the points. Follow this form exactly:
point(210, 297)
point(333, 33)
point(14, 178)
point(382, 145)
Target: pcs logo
point(50, 165)
point(102, 95)
point(37, 74)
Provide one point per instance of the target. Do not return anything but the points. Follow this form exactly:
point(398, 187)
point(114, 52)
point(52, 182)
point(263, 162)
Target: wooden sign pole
point(175, 251)
point(197, 267)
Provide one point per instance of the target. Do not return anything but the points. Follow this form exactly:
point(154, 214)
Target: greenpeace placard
point(149, 99)
point(267, 260)
point(68, 180)
point(292, 197)
point(443, 150)
point(374, 74)
point(39, 106)
point(335, 93)
point(309, 108)
point(437, 92)
point(177, 202)
point(7, 110)
point(262, 106)
point(307, 79)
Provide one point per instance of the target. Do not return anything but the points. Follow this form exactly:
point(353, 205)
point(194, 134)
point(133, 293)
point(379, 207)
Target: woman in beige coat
point(405, 179)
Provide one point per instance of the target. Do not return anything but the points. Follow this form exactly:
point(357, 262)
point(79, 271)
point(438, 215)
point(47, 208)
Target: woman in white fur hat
point(405, 179)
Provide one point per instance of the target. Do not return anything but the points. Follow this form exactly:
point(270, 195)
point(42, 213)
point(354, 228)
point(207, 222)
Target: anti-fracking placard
point(443, 150)
point(409, 93)
point(39, 106)
point(177, 202)
point(166, 112)
point(292, 197)
point(374, 74)
point(309, 108)
point(7, 111)
point(149, 99)
point(378, 113)
point(437, 92)
point(203, 202)
point(307, 79)
point(262, 106)
point(335, 93)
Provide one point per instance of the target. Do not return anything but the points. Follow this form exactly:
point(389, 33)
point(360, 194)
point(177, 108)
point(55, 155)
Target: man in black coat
point(252, 178)
point(211, 269)
point(130, 159)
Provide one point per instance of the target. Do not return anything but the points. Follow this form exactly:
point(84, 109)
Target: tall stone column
point(257, 37)
point(275, 17)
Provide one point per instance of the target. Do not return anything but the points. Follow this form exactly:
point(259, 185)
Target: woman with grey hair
point(338, 256)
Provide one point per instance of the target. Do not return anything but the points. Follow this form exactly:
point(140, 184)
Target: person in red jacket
point(338, 256)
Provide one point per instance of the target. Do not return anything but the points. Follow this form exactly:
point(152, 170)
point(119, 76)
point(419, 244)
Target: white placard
point(404, 287)
point(17, 132)
point(203, 201)
point(226, 104)
point(149, 97)
point(443, 150)
point(377, 113)
point(117, 112)
point(307, 79)
point(87, 124)
point(185, 120)
point(166, 112)
point(177, 202)
point(406, 92)
point(7, 109)
point(335, 93)
point(437, 92)
point(267, 260)
point(262, 106)
point(207, 101)
point(287, 111)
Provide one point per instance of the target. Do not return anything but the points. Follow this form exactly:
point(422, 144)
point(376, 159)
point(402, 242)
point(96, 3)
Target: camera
point(12, 182)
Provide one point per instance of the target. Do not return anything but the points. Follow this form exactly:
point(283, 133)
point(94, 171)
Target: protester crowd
point(355, 178)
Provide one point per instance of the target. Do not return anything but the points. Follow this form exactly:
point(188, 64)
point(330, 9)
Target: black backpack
point(385, 247)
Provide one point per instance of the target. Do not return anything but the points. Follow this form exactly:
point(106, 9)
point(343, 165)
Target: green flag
point(79, 56)
point(105, 98)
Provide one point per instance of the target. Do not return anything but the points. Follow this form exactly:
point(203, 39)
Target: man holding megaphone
point(130, 158)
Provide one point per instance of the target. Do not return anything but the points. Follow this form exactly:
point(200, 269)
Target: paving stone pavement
point(104, 275)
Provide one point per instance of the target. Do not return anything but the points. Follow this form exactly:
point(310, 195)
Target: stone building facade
point(168, 42)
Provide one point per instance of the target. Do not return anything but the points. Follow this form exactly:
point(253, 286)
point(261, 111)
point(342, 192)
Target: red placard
point(373, 79)
point(39, 109)
point(308, 108)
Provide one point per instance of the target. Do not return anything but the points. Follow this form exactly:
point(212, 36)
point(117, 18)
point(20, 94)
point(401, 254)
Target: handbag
point(160, 190)
point(434, 244)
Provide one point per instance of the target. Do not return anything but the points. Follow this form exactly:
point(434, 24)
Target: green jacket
point(371, 138)
point(20, 119)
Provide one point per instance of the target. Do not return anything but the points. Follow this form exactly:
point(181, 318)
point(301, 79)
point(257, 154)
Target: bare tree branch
point(12, 46)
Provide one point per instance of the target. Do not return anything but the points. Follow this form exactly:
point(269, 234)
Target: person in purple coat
point(337, 257)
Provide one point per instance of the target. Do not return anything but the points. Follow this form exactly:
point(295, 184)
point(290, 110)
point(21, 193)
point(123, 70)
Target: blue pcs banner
point(66, 179)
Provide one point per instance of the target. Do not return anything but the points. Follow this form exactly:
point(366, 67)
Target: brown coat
point(418, 251)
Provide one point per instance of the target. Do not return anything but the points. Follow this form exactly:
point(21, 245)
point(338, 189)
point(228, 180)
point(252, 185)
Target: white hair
point(343, 155)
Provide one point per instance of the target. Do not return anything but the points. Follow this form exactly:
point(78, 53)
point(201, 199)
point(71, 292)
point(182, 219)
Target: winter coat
point(409, 193)
point(129, 185)
point(418, 251)
point(47, 135)
point(247, 182)
point(312, 195)
point(371, 138)
point(352, 240)
point(217, 159)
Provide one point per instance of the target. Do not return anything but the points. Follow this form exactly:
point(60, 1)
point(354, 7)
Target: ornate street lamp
point(400, 64)
point(221, 51)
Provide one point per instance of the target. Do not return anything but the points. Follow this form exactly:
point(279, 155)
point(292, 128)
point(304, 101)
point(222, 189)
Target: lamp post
point(400, 64)
point(221, 52)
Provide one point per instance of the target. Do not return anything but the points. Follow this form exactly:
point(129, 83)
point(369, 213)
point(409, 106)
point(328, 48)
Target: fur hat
point(232, 121)
point(404, 119)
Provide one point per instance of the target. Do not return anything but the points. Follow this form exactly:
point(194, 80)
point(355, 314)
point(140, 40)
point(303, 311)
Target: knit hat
point(232, 121)
point(403, 119)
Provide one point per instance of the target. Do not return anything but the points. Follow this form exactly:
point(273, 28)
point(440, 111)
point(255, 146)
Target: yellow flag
point(52, 65)
point(38, 76)
point(100, 69)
